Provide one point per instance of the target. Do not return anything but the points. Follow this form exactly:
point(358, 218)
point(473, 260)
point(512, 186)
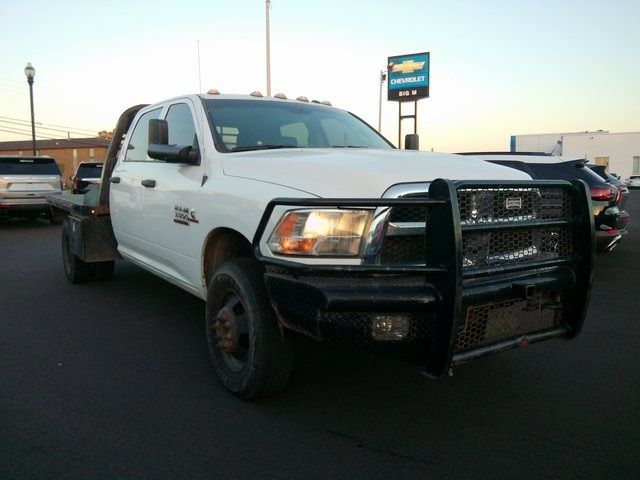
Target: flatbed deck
point(78, 204)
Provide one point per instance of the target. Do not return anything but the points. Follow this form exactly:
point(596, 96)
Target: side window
point(139, 142)
point(182, 130)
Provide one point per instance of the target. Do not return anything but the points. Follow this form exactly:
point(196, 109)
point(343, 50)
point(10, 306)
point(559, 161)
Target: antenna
point(267, 4)
point(199, 74)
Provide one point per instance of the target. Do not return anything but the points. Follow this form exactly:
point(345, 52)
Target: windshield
point(28, 166)
point(242, 125)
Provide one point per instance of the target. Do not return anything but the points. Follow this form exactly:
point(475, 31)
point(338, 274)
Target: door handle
point(114, 179)
point(148, 183)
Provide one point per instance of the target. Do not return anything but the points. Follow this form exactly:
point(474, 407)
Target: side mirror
point(173, 153)
point(412, 141)
point(158, 131)
point(159, 148)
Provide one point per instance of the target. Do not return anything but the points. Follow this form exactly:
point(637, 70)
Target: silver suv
point(24, 184)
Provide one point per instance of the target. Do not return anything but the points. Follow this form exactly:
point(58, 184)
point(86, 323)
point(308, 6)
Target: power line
point(40, 127)
point(26, 133)
point(52, 124)
point(44, 137)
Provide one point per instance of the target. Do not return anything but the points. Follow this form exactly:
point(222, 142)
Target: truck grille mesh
point(494, 321)
point(407, 249)
point(514, 246)
point(493, 206)
point(497, 206)
point(510, 205)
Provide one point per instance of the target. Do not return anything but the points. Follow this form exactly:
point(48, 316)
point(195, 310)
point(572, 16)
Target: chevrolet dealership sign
point(408, 77)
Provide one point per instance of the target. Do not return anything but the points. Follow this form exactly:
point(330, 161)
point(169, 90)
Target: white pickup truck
point(291, 217)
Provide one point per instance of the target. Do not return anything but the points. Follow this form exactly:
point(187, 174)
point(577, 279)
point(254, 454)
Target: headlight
point(319, 232)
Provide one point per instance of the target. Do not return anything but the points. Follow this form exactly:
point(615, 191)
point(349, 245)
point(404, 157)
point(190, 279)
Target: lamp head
point(29, 71)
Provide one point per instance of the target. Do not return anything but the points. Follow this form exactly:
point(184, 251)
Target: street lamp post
point(30, 72)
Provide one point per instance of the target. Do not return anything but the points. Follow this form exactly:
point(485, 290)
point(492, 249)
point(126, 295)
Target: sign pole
point(399, 124)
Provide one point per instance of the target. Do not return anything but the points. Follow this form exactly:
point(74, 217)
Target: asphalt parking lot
point(112, 380)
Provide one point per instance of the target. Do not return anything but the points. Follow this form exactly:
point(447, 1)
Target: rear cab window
point(139, 141)
point(28, 166)
point(89, 170)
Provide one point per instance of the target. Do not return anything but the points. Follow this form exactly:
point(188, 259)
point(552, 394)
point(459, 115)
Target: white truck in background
point(291, 217)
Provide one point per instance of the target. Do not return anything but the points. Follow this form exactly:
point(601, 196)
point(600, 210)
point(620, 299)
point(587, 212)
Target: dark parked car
point(610, 222)
point(609, 178)
point(25, 181)
point(87, 174)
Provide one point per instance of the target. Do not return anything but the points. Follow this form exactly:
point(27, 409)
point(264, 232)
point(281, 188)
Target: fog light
point(390, 327)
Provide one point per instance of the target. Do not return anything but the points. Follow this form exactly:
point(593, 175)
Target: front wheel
point(251, 354)
point(56, 217)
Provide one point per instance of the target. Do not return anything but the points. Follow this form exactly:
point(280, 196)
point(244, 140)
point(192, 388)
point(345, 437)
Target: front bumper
point(399, 314)
point(459, 305)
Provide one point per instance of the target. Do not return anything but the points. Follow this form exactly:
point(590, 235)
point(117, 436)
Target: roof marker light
point(302, 98)
point(213, 91)
point(256, 93)
point(281, 96)
point(327, 103)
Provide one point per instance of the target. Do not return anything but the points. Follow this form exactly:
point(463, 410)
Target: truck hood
point(358, 173)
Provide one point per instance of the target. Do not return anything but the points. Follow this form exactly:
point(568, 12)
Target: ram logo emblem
point(513, 203)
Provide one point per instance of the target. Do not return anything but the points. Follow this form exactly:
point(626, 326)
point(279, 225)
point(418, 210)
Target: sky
point(498, 68)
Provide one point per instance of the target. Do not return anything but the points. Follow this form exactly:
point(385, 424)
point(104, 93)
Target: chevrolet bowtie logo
point(408, 66)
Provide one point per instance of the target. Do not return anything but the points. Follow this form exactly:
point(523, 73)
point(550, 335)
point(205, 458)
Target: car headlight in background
point(319, 232)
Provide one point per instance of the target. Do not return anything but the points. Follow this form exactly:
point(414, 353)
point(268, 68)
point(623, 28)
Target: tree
point(105, 135)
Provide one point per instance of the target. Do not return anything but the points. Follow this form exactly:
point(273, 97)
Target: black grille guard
point(443, 266)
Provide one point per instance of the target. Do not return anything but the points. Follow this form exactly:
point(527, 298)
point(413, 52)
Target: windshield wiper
point(260, 147)
point(348, 146)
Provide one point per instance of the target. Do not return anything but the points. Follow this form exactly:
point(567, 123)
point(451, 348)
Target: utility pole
point(267, 5)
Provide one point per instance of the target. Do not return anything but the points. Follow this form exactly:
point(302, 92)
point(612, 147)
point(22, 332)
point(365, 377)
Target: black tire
point(102, 270)
point(76, 270)
point(56, 217)
point(250, 352)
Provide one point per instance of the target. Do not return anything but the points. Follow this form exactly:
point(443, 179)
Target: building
point(619, 152)
point(68, 153)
